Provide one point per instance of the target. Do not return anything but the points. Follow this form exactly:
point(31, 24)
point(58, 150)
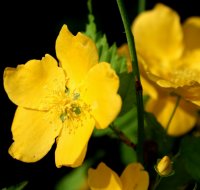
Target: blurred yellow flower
point(161, 103)
point(170, 51)
point(62, 103)
point(134, 177)
point(169, 57)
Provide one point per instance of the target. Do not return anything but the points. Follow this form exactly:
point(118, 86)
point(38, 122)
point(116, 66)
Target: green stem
point(176, 156)
point(136, 75)
point(141, 6)
point(195, 186)
point(172, 114)
point(158, 180)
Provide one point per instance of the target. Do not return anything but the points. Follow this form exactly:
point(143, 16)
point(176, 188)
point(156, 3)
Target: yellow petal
point(134, 177)
point(100, 92)
point(103, 178)
point(158, 33)
point(191, 29)
point(190, 60)
point(184, 82)
point(183, 120)
point(76, 54)
point(187, 84)
point(149, 87)
point(123, 50)
point(73, 140)
point(191, 93)
point(33, 134)
point(31, 85)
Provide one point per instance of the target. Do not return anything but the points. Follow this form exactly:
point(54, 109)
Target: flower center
point(72, 106)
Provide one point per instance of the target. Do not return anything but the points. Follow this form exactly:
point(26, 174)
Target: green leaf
point(102, 132)
point(127, 154)
point(127, 92)
point(118, 63)
point(19, 186)
point(106, 53)
point(154, 131)
point(190, 152)
point(75, 179)
point(127, 123)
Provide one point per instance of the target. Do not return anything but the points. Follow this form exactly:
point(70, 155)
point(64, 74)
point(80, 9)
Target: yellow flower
point(134, 177)
point(61, 103)
point(170, 51)
point(169, 61)
point(161, 103)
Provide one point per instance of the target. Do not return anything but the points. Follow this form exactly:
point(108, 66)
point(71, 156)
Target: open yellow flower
point(170, 51)
point(61, 102)
point(161, 103)
point(169, 58)
point(134, 177)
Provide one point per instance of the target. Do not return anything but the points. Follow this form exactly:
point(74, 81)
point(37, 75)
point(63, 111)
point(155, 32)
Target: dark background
point(28, 30)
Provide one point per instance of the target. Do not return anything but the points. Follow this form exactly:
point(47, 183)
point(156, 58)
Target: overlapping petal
point(184, 118)
point(134, 177)
point(123, 50)
point(191, 29)
point(33, 134)
point(32, 85)
point(103, 178)
point(73, 140)
point(176, 71)
point(158, 34)
point(149, 87)
point(99, 90)
point(76, 54)
point(183, 82)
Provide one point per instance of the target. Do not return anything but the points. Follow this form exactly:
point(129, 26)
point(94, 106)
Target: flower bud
point(164, 167)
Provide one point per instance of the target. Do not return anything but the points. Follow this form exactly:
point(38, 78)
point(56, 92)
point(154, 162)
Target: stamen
point(76, 96)
point(69, 108)
point(76, 110)
point(63, 116)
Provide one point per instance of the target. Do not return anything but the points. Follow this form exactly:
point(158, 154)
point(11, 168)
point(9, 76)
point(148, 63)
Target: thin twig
point(122, 137)
point(172, 114)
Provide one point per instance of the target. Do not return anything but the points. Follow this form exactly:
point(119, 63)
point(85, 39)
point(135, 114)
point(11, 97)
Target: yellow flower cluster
point(62, 100)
